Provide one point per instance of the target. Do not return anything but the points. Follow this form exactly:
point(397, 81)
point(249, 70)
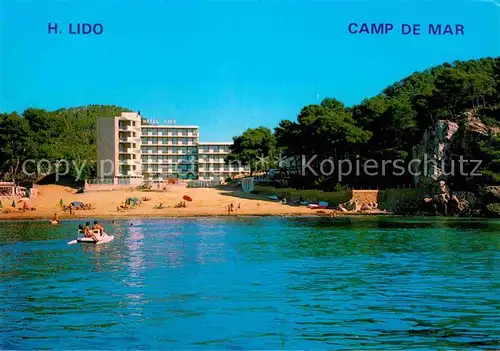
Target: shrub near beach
point(333, 198)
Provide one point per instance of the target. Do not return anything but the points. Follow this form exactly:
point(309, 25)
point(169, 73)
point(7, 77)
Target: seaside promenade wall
point(365, 196)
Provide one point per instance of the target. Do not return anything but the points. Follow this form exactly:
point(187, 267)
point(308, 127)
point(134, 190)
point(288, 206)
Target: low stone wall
point(107, 187)
point(365, 196)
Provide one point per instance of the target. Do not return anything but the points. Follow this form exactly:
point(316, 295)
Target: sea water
point(253, 283)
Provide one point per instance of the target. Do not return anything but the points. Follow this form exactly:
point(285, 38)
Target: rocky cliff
point(433, 152)
point(436, 151)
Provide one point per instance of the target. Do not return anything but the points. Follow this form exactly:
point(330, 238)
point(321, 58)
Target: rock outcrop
point(491, 195)
point(433, 152)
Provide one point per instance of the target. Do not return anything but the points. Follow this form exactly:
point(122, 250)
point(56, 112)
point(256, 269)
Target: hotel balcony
point(170, 134)
point(130, 139)
point(129, 174)
point(127, 128)
point(219, 152)
point(170, 143)
point(129, 162)
point(210, 160)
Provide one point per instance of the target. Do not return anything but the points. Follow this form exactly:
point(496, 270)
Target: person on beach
point(55, 218)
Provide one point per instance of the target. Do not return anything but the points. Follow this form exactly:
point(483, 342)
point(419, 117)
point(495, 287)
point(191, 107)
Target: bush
point(493, 210)
point(333, 198)
point(401, 200)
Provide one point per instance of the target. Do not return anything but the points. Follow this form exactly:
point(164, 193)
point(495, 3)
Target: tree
point(255, 148)
point(68, 134)
point(15, 144)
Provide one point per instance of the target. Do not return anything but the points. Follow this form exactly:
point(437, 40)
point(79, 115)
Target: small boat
point(105, 238)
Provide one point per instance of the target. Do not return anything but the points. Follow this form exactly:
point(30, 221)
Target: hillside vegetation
point(389, 125)
point(37, 134)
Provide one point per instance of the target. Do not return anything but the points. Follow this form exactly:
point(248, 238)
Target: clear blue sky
point(225, 65)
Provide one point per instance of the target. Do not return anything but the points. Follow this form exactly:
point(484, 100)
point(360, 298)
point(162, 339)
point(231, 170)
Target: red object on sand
point(187, 198)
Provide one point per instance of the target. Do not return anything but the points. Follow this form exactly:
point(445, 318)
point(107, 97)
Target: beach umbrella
point(187, 198)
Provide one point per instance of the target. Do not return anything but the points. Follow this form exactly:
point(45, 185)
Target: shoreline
point(130, 215)
point(206, 202)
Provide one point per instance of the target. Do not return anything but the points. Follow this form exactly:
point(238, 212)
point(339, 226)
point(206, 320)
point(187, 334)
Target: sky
point(225, 65)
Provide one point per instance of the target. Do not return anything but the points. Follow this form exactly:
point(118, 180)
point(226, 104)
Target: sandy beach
point(206, 202)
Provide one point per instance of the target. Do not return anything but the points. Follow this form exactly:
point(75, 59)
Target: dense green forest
point(389, 125)
point(65, 134)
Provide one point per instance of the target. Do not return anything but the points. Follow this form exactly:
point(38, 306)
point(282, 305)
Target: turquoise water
point(254, 283)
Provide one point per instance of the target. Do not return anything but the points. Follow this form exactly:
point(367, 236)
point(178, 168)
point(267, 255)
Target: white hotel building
point(131, 150)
